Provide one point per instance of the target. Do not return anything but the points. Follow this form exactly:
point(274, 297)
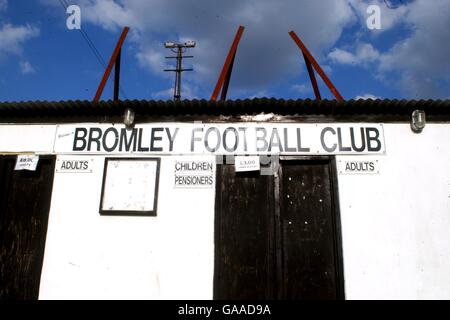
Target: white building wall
point(395, 227)
point(88, 256)
point(27, 138)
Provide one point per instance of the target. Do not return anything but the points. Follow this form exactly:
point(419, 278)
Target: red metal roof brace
point(225, 75)
point(114, 60)
point(309, 60)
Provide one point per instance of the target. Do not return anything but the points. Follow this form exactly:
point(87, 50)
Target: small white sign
point(246, 163)
point(26, 162)
point(74, 165)
point(194, 174)
point(358, 167)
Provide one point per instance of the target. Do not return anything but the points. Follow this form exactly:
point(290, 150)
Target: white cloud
point(151, 56)
point(364, 54)
point(342, 56)
point(367, 96)
point(423, 58)
point(266, 53)
point(12, 38)
point(419, 64)
point(109, 14)
point(26, 67)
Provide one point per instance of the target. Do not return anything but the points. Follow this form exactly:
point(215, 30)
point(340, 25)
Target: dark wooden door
point(244, 266)
point(24, 207)
point(278, 236)
point(310, 251)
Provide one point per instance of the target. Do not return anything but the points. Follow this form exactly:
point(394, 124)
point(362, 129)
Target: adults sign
point(222, 138)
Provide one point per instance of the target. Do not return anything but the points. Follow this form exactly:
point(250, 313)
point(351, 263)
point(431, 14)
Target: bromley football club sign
point(223, 138)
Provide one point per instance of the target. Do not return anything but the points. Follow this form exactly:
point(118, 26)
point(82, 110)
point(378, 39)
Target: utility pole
point(179, 49)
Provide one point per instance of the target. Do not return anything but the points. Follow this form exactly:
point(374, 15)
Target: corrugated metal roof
point(67, 109)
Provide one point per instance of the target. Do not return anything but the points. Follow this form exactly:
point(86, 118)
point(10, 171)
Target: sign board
point(194, 174)
point(26, 162)
point(246, 163)
point(74, 165)
point(222, 138)
point(358, 167)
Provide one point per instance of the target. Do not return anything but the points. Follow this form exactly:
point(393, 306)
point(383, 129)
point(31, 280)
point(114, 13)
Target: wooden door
point(244, 266)
point(310, 244)
point(278, 236)
point(24, 207)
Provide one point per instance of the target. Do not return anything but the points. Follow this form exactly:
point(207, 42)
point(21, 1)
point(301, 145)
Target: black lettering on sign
point(341, 147)
point(299, 143)
point(105, 137)
point(347, 166)
point(374, 138)
point(275, 141)
point(94, 138)
point(186, 180)
point(194, 138)
point(79, 165)
point(286, 141)
point(363, 140)
point(322, 139)
point(359, 166)
point(338, 139)
point(126, 141)
point(262, 139)
point(171, 137)
point(154, 138)
point(193, 166)
point(236, 139)
point(243, 130)
point(140, 148)
point(80, 135)
point(207, 142)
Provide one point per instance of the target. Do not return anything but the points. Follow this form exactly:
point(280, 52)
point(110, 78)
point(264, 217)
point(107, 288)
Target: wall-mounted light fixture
point(128, 118)
point(418, 121)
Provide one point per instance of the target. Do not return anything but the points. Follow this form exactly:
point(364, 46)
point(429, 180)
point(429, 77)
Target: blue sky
point(409, 57)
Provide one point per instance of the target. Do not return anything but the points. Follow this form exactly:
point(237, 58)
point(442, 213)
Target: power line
point(87, 39)
point(92, 46)
point(179, 49)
